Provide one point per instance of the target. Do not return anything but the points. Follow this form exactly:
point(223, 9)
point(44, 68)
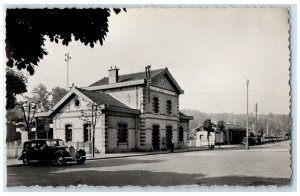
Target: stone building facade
point(138, 111)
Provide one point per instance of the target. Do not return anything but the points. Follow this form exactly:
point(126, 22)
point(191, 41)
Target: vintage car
point(50, 150)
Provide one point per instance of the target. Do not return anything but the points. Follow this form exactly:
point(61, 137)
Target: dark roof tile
point(102, 98)
point(128, 77)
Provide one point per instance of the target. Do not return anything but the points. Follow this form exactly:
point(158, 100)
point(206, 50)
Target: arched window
point(155, 105)
point(122, 132)
point(169, 107)
point(68, 133)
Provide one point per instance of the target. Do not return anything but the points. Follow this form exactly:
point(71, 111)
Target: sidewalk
point(15, 162)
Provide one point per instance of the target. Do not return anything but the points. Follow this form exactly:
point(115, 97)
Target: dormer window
point(169, 107)
point(155, 105)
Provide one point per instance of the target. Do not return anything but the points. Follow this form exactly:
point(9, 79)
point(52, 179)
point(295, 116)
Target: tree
point(28, 108)
point(13, 118)
point(208, 126)
point(220, 128)
point(41, 97)
point(26, 30)
point(57, 93)
point(220, 125)
point(15, 85)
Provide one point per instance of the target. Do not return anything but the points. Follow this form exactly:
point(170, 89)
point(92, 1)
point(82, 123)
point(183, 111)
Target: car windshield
point(55, 142)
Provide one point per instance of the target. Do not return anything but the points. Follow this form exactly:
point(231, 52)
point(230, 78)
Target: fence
point(13, 149)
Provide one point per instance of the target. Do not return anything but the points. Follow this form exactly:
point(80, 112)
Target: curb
point(146, 154)
point(238, 147)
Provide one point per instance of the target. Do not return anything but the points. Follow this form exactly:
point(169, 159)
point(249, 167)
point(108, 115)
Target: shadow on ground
point(243, 181)
point(90, 163)
point(137, 178)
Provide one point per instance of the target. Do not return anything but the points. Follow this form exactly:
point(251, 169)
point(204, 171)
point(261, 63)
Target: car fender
point(81, 152)
point(22, 155)
point(60, 152)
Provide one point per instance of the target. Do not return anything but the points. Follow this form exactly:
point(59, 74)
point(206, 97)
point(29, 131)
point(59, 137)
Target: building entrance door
point(169, 135)
point(155, 137)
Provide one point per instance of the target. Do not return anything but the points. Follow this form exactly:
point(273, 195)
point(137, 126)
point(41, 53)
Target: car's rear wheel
point(60, 160)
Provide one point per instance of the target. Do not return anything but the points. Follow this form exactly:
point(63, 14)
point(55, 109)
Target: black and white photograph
point(147, 96)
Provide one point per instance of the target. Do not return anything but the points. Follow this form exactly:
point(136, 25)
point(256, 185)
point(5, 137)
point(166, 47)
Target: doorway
point(169, 136)
point(155, 137)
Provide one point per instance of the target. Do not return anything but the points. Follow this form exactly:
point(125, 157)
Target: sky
point(210, 52)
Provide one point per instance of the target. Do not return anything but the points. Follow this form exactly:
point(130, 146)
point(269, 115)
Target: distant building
point(233, 134)
point(203, 138)
point(137, 111)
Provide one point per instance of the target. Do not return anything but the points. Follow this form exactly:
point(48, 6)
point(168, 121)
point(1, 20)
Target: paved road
point(262, 165)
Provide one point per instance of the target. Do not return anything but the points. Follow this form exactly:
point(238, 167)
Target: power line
point(240, 94)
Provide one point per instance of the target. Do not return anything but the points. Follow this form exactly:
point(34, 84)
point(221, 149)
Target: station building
point(133, 112)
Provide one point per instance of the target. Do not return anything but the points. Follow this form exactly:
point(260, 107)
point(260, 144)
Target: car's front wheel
point(81, 161)
point(25, 160)
point(60, 160)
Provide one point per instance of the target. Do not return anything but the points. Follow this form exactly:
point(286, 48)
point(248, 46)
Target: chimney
point(113, 75)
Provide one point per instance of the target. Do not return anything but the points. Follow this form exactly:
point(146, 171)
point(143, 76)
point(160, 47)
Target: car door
point(41, 150)
point(32, 151)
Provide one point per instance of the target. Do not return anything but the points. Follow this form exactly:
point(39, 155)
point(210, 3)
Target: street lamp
point(247, 139)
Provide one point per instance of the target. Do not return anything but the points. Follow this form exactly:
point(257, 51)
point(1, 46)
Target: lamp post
point(94, 121)
point(247, 139)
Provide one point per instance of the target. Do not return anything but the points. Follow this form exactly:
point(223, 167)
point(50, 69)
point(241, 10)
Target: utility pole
point(256, 131)
point(268, 127)
point(68, 58)
point(247, 119)
point(95, 109)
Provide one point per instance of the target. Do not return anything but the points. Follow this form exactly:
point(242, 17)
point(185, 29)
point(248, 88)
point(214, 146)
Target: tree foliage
point(28, 108)
point(220, 125)
point(26, 30)
point(57, 94)
point(25, 37)
point(15, 85)
point(41, 97)
point(274, 123)
point(208, 125)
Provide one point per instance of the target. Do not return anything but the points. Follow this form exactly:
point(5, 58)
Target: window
point(180, 134)
point(169, 107)
point(122, 132)
point(68, 133)
point(33, 145)
point(77, 103)
point(155, 105)
point(87, 132)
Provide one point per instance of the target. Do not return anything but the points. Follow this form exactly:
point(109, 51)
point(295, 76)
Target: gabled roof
point(128, 77)
point(99, 98)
